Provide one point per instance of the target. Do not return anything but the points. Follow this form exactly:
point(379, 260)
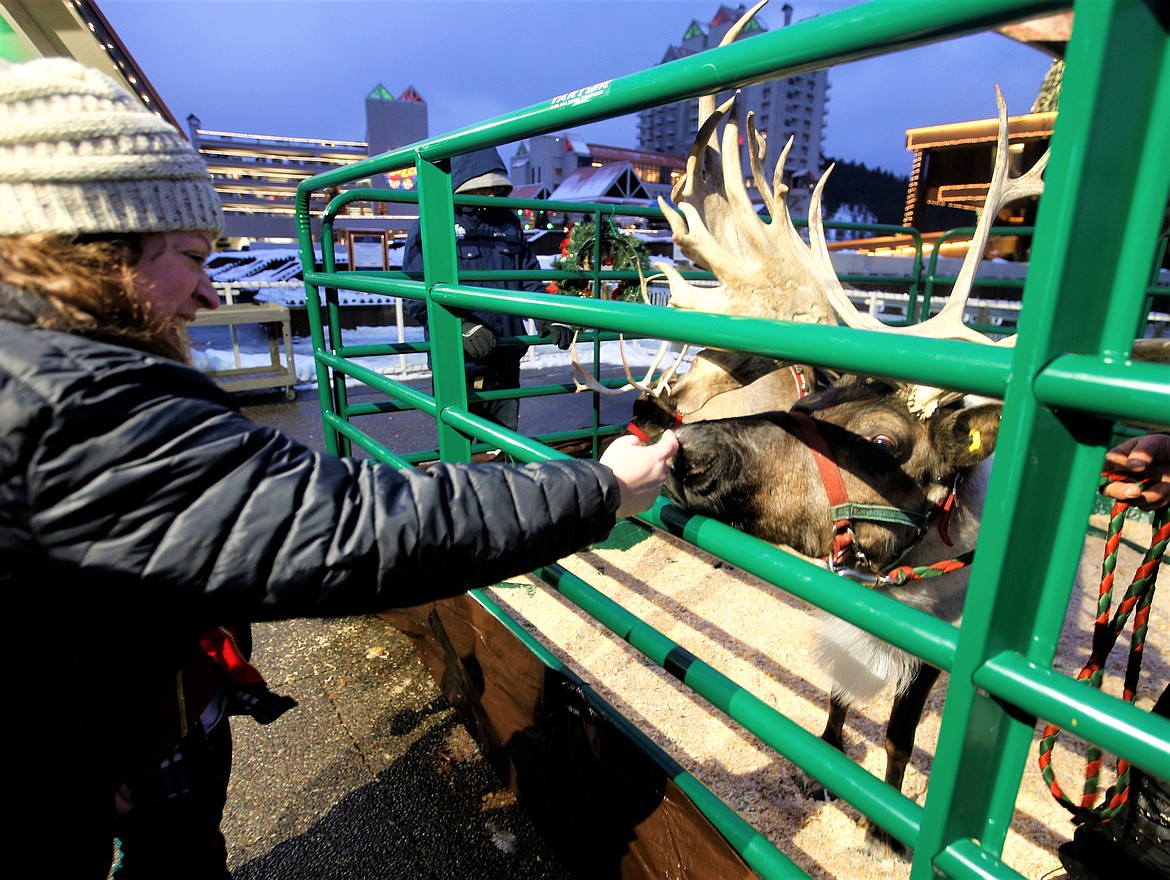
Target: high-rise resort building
point(794, 107)
point(256, 175)
point(565, 167)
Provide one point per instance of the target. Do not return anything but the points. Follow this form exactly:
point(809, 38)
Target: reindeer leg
point(834, 735)
point(904, 717)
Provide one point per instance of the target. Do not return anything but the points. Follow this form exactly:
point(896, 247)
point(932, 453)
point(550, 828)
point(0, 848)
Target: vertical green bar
point(1106, 188)
point(313, 308)
point(332, 398)
point(436, 210)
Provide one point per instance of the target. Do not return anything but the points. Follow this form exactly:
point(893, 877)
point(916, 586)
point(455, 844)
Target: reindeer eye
point(885, 443)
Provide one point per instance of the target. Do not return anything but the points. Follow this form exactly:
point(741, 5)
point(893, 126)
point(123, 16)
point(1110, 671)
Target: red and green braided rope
point(1135, 602)
point(904, 573)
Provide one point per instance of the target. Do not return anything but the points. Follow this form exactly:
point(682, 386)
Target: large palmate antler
point(948, 322)
point(766, 269)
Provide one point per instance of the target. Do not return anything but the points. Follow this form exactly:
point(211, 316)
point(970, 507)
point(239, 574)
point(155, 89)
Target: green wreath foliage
point(620, 251)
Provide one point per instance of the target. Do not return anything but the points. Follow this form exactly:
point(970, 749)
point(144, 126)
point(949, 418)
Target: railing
point(337, 411)
point(1066, 385)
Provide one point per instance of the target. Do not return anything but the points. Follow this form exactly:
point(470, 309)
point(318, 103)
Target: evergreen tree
point(853, 183)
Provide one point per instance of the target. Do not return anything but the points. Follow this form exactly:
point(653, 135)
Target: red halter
point(846, 558)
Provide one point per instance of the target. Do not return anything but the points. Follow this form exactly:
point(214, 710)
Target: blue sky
point(304, 67)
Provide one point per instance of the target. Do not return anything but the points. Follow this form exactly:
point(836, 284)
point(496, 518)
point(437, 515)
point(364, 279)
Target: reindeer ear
point(967, 436)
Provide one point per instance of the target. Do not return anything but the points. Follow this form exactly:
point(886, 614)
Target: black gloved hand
point(478, 341)
point(562, 334)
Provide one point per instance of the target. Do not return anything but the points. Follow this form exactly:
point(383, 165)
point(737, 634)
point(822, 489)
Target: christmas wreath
point(620, 251)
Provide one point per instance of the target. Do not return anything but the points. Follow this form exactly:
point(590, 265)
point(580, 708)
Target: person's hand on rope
point(1147, 460)
point(478, 341)
point(562, 334)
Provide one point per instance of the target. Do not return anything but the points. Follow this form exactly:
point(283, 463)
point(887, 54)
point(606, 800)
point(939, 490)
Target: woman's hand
point(640, 469)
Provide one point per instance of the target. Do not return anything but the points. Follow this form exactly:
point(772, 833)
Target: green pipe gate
point(1067, 386)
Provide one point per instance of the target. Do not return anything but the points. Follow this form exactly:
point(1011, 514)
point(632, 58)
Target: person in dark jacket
point(139, 509)
point(487, 239)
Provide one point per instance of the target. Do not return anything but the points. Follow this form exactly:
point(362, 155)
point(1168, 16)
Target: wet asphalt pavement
point(373, 775)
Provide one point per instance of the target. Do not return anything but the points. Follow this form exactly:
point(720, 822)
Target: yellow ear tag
point(976, 440)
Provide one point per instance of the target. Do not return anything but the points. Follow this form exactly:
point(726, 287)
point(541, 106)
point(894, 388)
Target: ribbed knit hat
point(78, 154)
point(480, 169)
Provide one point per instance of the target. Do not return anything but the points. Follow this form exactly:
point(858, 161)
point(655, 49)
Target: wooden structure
point(952, 168)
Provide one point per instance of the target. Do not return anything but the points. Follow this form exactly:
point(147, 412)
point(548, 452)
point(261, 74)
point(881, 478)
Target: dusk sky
point(303, 67)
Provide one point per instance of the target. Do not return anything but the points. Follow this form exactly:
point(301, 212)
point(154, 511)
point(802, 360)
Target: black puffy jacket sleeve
point(142, 473)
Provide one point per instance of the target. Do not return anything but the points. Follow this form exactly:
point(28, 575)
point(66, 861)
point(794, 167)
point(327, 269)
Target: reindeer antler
point(948, 322)
point(683, 189)
point(707, 102)
point(584, 381)
point(764, 269)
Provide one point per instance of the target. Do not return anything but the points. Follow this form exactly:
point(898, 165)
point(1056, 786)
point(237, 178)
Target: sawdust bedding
point(763, 639)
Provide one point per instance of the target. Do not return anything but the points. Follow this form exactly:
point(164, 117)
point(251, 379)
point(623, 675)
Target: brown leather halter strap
point(798, 377)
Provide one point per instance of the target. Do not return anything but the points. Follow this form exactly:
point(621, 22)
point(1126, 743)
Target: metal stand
point(278, 373)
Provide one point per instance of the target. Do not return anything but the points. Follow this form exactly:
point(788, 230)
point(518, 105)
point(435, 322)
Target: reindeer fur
point(861, 665)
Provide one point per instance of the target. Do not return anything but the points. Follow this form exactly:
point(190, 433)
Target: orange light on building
point(403, 179)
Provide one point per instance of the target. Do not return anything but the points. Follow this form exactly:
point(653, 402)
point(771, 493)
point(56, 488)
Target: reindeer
point(874, 476)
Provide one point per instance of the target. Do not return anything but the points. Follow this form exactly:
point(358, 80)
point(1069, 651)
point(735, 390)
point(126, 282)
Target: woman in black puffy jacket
point(140, 509)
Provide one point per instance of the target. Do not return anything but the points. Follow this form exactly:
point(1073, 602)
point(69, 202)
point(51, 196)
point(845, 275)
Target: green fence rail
point(1068, 386)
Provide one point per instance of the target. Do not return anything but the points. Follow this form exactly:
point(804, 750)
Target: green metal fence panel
point(1084, 289)
point(1066, 385)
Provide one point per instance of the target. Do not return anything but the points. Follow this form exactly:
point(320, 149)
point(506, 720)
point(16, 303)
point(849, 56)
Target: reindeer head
point(759, 474)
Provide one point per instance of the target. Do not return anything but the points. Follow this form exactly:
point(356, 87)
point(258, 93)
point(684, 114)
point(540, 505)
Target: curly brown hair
point(86, 287)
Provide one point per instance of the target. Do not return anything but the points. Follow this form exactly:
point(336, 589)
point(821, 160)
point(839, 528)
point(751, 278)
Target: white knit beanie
point(78, 154)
